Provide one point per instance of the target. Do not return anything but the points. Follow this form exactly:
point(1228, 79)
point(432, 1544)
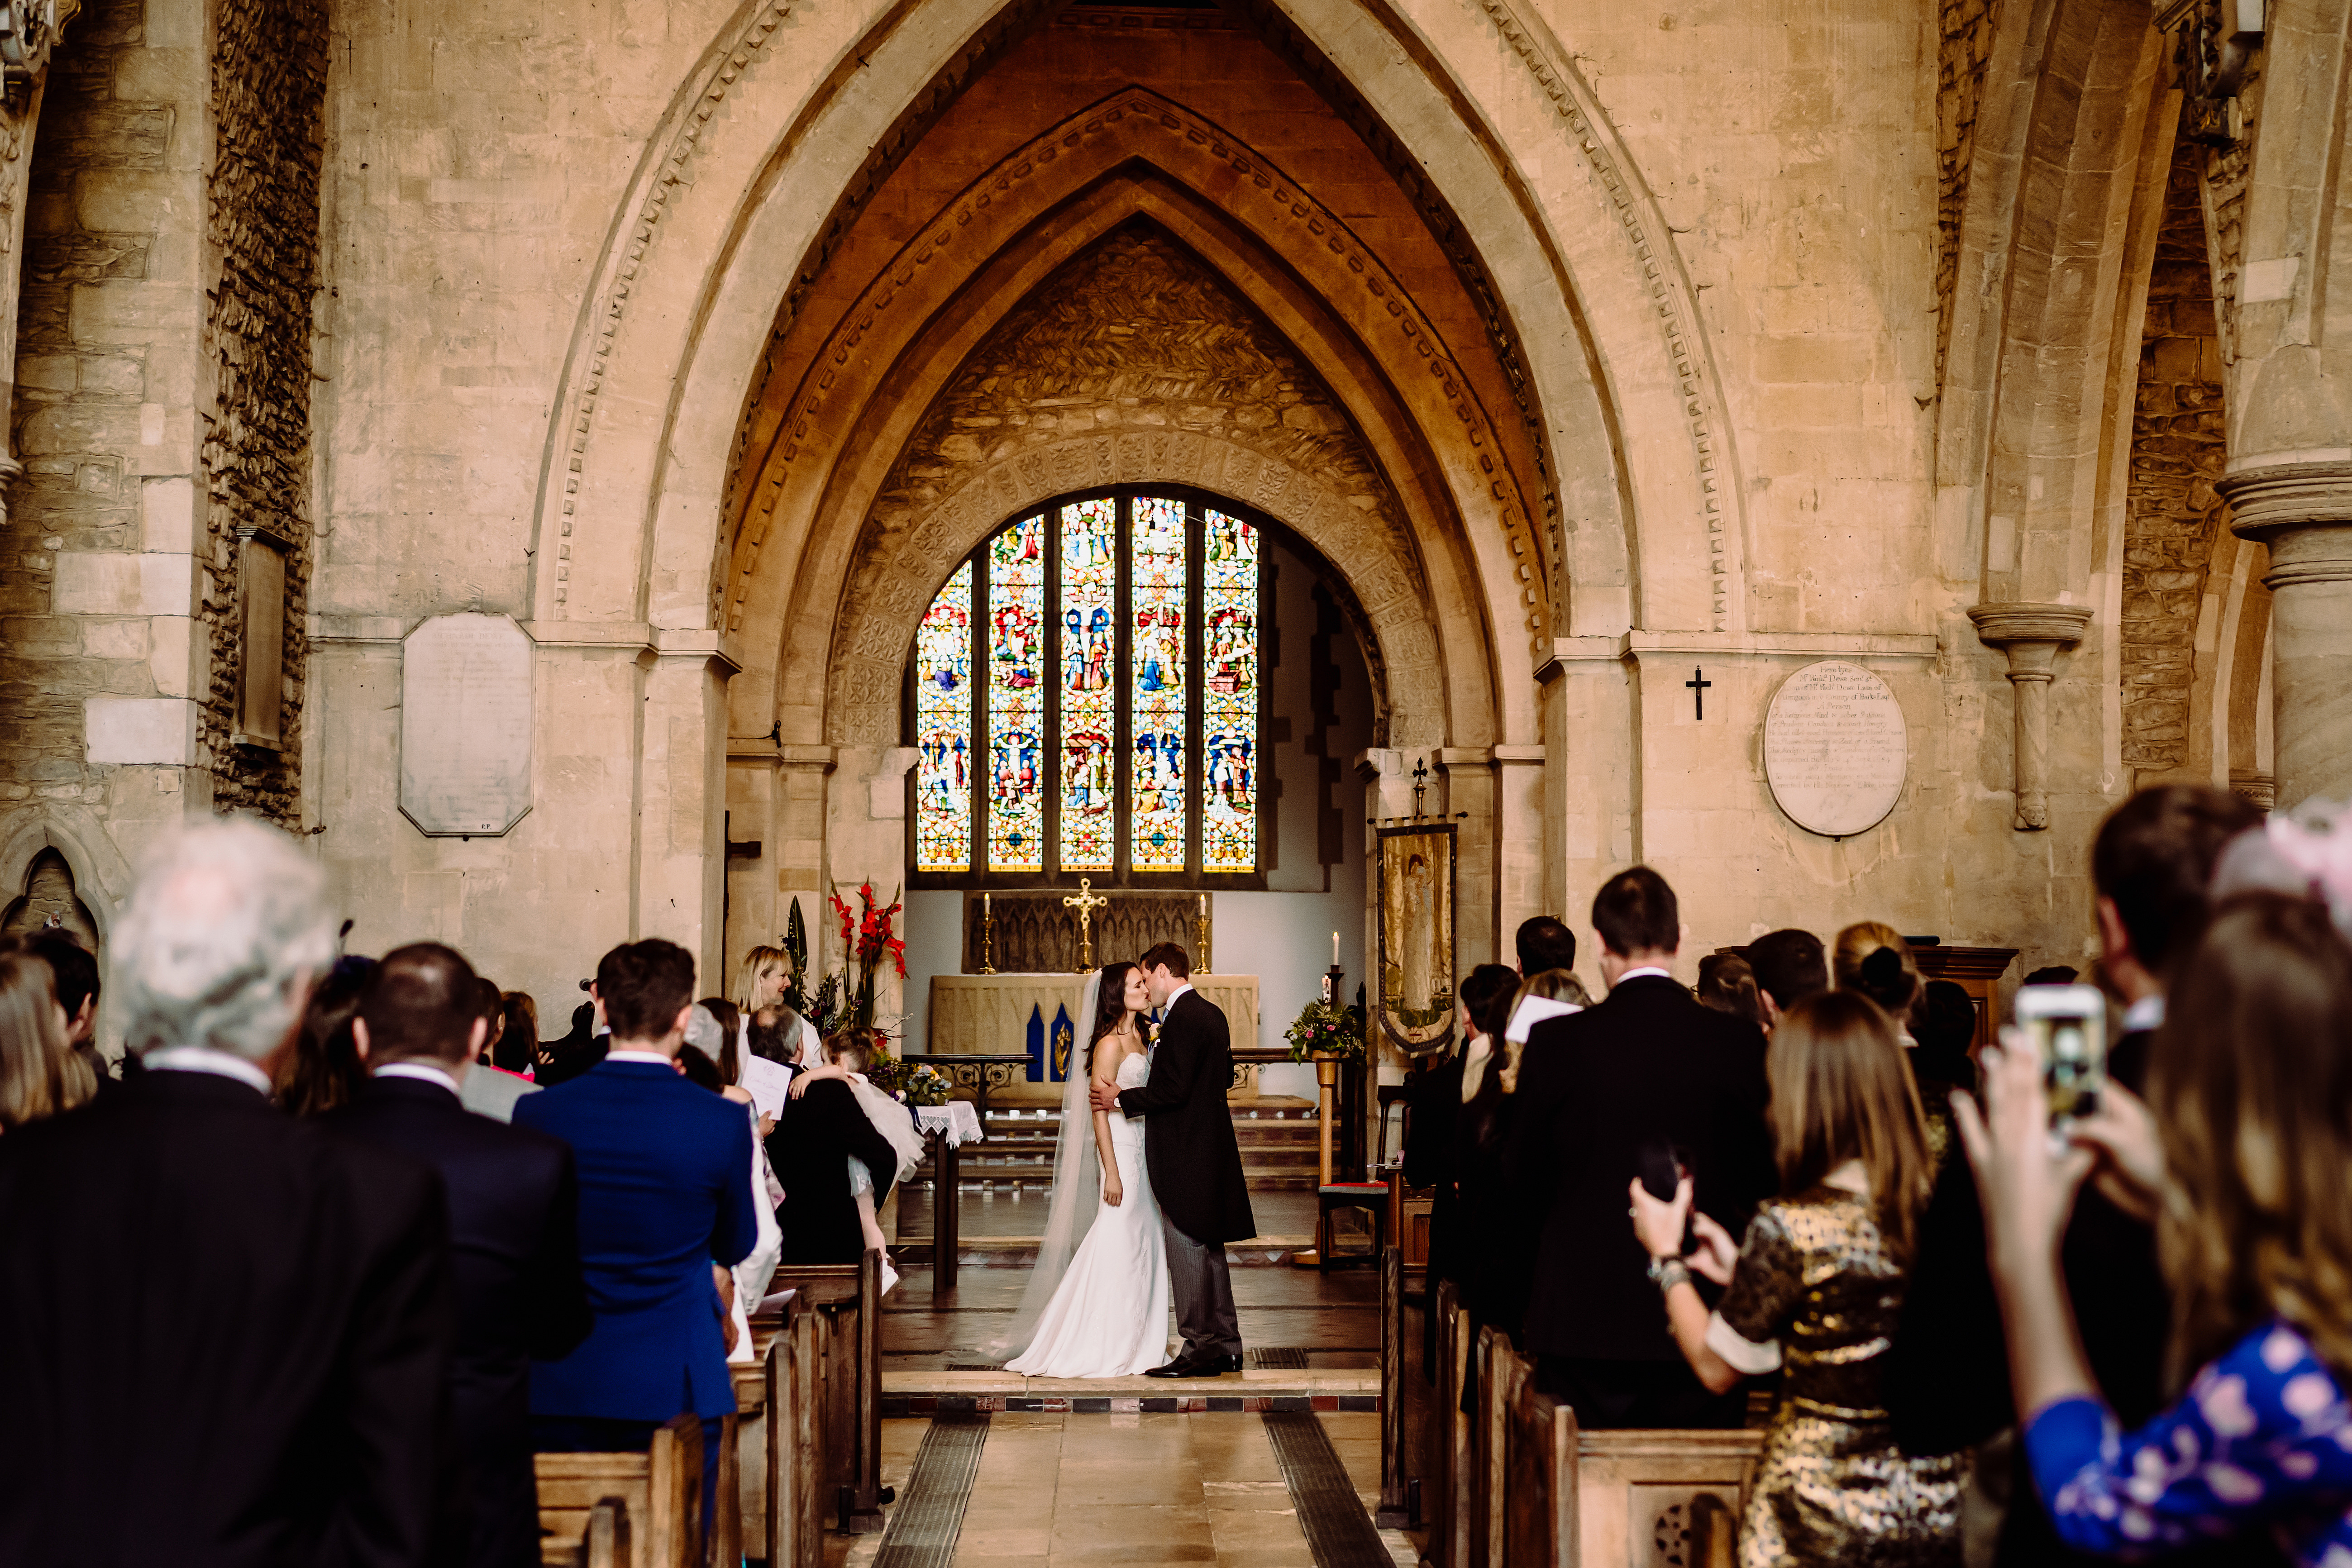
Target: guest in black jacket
point(821, 1126)
point(226, 1331)
point(513, 1231)
point(1648, 1066)
point(1948, 1384)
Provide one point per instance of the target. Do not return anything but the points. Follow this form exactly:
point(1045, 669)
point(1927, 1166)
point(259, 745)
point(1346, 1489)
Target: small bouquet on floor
point(925, 1086)
point(1325, 1028)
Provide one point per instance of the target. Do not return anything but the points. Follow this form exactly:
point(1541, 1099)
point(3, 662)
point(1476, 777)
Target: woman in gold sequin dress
point(1815, 1290)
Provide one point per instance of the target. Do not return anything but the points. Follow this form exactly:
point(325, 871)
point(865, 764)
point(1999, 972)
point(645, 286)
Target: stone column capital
point(2031, 634)
point(2303, 511)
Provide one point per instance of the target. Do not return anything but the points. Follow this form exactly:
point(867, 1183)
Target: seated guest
point(1814, 1289)
point(1946, 1383)
point(665, 1209)
point(1544, 944)
point(1788, 966)
point(1871, 957)
point(227, 1329)
point(492, 1091)
point(1728, 984)
point(323, 1070)
point(513, 1245)
point(822, 1129)
point(41, 1075)
point(2239, 1154)
point(1648, 1067)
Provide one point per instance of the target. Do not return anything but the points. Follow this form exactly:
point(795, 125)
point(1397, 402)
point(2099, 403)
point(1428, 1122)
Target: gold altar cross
point(1085, 903)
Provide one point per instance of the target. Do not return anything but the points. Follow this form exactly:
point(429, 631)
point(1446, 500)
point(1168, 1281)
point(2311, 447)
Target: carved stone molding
point(2032, 634)
point(2303, 511)
point(2260, 789)
point(1134, 121)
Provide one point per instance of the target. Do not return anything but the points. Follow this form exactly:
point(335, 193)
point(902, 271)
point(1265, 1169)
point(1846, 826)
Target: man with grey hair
point(226, 1329)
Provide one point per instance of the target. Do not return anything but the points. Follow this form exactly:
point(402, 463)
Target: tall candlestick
point(1204, 906)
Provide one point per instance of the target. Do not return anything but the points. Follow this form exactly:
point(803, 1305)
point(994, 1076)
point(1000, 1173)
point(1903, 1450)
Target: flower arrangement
point(925, 1086)
point(884, 1072)
point(1325, 1028)
point(868, 935)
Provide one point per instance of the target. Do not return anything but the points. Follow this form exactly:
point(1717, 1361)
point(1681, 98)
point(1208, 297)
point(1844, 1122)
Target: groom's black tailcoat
point(1189, 1145)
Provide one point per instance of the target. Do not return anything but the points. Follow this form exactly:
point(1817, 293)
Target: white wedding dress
point(1109, 1317)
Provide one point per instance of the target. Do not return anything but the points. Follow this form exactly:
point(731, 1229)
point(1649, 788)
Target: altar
point(1038, 1016)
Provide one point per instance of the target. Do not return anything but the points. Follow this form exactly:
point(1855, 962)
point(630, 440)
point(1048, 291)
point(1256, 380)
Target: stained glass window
point(1090, 665)
point(1229, 687)
point(1099, 665)
point(1016, 698)
point(1156, 840)
point(943, 729)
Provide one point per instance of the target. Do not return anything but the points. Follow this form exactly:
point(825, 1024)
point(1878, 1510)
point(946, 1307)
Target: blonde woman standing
point(1815, 1290)
point(760, 982)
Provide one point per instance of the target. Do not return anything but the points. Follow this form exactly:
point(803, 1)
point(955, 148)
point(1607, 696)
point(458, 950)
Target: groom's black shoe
point(1211, 1367)
point(1182, 1366)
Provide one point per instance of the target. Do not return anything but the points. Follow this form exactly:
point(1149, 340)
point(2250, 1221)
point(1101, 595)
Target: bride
point(1101, 1311)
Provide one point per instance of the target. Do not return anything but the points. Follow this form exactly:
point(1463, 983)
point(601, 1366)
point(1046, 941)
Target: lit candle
point(1204, 906)
point(1335, 949)
point(987, 904)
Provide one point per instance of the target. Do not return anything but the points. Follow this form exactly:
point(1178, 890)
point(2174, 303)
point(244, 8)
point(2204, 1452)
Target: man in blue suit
point(664, 1173)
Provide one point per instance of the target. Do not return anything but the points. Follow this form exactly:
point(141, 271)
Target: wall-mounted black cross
point(1698, 683)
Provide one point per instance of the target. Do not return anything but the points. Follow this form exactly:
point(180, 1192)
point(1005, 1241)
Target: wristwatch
point(1666, 1273)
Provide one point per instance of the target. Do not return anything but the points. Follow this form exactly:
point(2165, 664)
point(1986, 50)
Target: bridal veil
point(1077, 1186)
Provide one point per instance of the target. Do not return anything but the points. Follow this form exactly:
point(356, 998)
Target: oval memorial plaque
point(1835, 749)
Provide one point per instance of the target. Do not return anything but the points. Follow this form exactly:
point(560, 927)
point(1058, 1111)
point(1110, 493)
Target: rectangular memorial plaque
point(465, 726)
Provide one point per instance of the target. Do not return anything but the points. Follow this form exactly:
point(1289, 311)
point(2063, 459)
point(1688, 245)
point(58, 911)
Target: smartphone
point(1661, 1169)
point(2069, 1026)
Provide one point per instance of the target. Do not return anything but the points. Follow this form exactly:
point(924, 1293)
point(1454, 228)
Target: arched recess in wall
point(1413, 562)
point(99, 878)
point(726, 212)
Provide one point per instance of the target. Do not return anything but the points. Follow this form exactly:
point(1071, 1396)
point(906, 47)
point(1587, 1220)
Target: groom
point(1194, 1161)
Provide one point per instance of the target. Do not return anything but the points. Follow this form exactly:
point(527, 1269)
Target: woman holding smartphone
point(2239, 1155)
point(1814, 1290)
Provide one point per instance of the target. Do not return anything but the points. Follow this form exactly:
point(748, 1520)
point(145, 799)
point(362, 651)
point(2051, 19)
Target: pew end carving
point(658, 1490)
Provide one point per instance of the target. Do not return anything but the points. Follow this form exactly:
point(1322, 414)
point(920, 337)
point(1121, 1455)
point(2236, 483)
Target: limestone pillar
point(2032, 634)
point(2303, 512)
point(1469, 803)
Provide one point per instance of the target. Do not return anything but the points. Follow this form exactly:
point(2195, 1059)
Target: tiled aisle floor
point(1131, 1490)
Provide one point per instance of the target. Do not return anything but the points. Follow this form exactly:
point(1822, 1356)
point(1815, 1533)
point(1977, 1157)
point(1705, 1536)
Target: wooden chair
point(795, 1471)
point(660, 1490)
point(602, 1542)
point(1371, 1198)
point(849, 1296)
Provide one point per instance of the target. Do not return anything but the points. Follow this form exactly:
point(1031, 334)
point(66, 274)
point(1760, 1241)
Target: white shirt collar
point(205, 1058)
point(423, 1072)
point(2147, 1012)
point(1170, 1006)
point(1646, 970)
point(1534, 1011)
point(654, 1058)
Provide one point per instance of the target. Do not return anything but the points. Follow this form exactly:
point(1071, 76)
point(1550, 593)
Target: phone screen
point(2069, 1026)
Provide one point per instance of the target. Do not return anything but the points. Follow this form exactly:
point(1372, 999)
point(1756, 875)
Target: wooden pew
point(1455, 1492)
point(792, 1470)
point(1535, 1491)
point(849, 1297)
point(1399, 1505)
point(660, 1491)
point(602, 1542)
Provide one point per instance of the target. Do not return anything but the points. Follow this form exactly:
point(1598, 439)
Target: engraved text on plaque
point(1835, 748)
point(465, 725)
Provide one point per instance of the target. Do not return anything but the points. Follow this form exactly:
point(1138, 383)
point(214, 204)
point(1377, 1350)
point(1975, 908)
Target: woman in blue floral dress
point(2243, 1157)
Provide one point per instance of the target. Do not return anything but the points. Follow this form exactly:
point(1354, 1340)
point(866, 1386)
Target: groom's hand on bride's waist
point(1106, 1096)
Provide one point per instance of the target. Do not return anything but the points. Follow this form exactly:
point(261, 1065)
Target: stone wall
point(2178, 449)
point(97, 663)
point(261, 233)
point(1965, 43)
